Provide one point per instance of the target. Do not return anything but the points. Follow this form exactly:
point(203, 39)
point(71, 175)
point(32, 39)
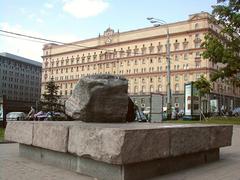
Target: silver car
point(16, 116)
point(236, 112)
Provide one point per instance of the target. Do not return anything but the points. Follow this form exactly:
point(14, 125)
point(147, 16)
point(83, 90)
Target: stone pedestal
point(120, 151)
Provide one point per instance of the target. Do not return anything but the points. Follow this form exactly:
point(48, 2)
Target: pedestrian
point(31, 113)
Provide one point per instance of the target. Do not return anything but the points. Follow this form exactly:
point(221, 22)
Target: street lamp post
point(157, 23)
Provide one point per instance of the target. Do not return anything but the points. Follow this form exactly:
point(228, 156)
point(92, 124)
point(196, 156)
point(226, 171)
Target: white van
point(16, 116)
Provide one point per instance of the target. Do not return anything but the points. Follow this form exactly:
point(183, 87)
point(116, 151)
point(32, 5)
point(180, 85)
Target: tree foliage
point(50, 97)
point(224, 47)
point(203, 86)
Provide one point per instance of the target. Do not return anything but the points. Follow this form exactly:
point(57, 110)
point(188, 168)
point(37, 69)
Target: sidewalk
point(13, 167)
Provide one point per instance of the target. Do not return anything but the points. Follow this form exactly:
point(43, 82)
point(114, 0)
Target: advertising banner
point(191, 100)
point(187, 100)
point(156, 113)
point(214, 105)
point(195, 101)
point(1, 109)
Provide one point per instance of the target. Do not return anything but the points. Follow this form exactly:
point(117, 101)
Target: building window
point(198, 55)
point(151, 88)
point(176, 78)
point(176, 45)
point(176, 87)
point(159, 88)
point(159, 79)
point(159, 48)
point(176, 57)
point(198, 64)
point(135, 62)
point(151, 80)
point(143, 49)
point(151, 49)
point(135, 89)
point(196, 25)
point(185, 56)
point(129, 51)
point(136, 51)
point(185, 46)
point(197, 45)
point(198, 76)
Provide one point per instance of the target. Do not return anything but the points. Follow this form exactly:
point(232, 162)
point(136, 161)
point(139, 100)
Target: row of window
point(20, 81)
point(20, 87)
point(58, 63)
point(127, 71)
point(32, 98)
point(15, 64)
point(21, 75)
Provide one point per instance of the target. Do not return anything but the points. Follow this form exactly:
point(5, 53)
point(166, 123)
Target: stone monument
point(115, 150)
point(100, 98)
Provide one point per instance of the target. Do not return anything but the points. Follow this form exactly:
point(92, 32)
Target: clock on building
point(108, 34)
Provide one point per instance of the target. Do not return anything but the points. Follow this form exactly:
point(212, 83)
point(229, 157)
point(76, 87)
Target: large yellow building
point(140, 56)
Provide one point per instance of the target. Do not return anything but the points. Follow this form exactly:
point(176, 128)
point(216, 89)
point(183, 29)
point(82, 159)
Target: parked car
point(140, 117)
point(16, 116)
point(147, 110)
point(46, 116)
point(236, 111)
point(180, 113)
point(40, 116)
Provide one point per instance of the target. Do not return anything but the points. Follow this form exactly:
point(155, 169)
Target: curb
point(6, 142)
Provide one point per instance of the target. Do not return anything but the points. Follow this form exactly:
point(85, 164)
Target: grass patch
point(212, 120)
point(1, 134)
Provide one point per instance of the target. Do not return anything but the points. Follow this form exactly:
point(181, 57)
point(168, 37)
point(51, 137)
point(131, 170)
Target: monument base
point(119, 151)
point(106, 171)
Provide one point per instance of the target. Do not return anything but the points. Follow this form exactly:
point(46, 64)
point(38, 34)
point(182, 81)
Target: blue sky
point(73, 20)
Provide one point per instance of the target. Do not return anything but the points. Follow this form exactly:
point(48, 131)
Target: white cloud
point(48, 5)
point(43, 12)
point(84, 8)
point(23, 10)
point(17, 45)
point(31, 16)
point(39, 20)
point(27, 48)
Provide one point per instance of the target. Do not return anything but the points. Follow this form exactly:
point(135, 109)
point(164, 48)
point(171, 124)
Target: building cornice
point(116, 44)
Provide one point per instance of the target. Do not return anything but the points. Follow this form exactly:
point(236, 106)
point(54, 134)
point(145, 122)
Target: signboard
point(1, 108)
point(191, 102)
point(195, 101)
point(156, 112)
point(214, 105)
point(187, 100)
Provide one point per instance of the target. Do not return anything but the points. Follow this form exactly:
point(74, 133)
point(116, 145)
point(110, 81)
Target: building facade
point(140, 56)
point(20, 82)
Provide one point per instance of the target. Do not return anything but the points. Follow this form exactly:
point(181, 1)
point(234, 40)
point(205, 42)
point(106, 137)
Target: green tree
point(224, 47)
point(204, 87)
point(50, 97)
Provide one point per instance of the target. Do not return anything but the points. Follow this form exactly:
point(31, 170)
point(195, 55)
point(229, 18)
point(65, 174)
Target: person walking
point(31, 113)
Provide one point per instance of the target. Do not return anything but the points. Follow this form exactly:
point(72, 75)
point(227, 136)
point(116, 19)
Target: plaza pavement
point(13, 167)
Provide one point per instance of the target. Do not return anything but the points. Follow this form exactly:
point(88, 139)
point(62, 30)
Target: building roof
point(21, 59)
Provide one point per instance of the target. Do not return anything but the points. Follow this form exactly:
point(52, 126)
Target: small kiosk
point(191, 102)
point(2, 112)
